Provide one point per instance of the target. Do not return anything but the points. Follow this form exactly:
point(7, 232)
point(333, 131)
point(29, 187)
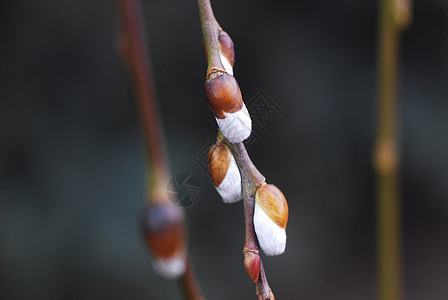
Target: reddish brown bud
point(164, 232)
point(272, 201)
point(223, 95)
point(219, 157)
point(225, 173)
point(164, 229)
point(252, 265)
point(226, 47)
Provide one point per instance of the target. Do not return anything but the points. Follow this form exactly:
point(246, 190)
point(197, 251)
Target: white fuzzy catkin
point(230, 187)
point(171, 267)
point(226, 64)
point(271, 237)
point(237, 126)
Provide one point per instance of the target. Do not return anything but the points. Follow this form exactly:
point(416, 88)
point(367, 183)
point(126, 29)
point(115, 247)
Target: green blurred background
point(72, 161)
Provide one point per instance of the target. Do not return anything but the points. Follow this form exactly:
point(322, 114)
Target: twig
point(189, 285)
point(263, 287)
point(134, 53)
point(251, 178)
point(393, 17)
point(210, 31)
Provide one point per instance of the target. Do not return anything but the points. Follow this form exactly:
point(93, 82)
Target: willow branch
point(134, 52)
point(263, 289)
point(251, 180)
point(210, 31)
point(394, 15)
point(189, 284)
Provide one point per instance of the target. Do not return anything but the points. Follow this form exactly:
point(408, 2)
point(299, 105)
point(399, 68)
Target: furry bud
point(252, 264)
point(270, 219)
point(226, 102)
point(163, 229)
point(225, 173)
point(226, 51)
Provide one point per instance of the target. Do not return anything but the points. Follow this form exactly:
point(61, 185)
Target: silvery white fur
point(226, 64)
point(230, 187)
point(271, 237)
point(170, 268)
point(237, 126)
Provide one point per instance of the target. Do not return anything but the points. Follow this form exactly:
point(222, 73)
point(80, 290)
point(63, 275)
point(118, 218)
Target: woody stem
point(251, 180)
point(392, 19)
point(134, 53)
point(210, 31)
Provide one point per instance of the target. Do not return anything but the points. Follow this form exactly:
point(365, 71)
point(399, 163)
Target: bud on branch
point(225, 173)
point(265, 207)
point(270, 219)
point(163, 228)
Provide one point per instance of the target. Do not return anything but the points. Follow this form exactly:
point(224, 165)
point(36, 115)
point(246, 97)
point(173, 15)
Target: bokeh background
point(72, 161)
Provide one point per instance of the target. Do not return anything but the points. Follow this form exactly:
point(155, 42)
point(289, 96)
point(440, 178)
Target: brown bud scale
point(252, 265)
point(226, 47)
point(219, 157)
point(273, 203)
point(223, 95)
point(163, 229)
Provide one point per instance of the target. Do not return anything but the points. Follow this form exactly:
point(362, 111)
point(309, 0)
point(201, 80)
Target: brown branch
point(251, 180)
point(134, 53)
point(393, 17)
point(210, 31)
point(189, 284)
point(263, 288)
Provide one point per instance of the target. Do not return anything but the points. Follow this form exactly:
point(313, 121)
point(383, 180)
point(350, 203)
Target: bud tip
point(252, 264)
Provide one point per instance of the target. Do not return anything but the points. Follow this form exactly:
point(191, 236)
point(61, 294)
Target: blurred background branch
point(393, 17)
point(135, 54)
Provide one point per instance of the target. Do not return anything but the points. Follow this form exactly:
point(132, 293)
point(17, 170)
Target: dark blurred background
point(72, 163)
